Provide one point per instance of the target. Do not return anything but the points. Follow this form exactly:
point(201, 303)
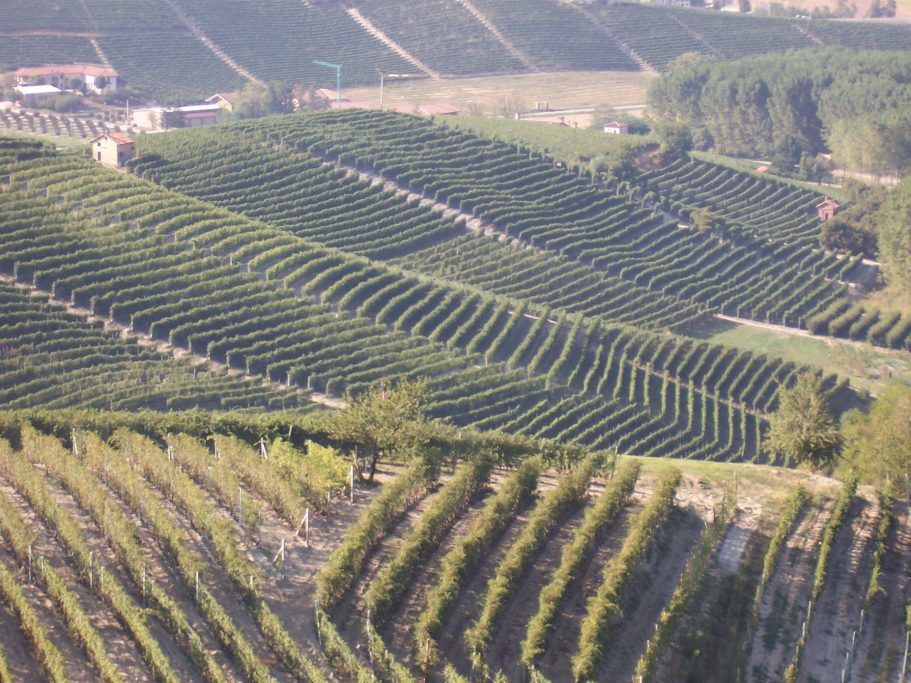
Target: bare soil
point(397, 631)
point(836, 616)
point(181, 664)
point(785, 598)
point(120, 646)
point(881, 641)
point(506, 646)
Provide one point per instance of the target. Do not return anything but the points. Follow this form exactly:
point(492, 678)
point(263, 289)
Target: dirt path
point(76, 663)
point(784, 600)
point(495, 32)
point(397, 630)
point(506, 645)
point(881, 642)
point(121, 648)
point(650, 593)
point(195, 29)
point(382, 37)
point(289, 586)
point(105, 556)
point(836, 616)
point(16, 648)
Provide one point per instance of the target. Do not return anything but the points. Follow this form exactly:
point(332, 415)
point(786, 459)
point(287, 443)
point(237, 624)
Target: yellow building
point(112, 149)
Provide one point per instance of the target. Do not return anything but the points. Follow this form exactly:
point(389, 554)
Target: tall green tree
point(803, 429)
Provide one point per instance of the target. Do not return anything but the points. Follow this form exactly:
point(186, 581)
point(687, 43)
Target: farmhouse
point(112, 149)
point(97, 78)
point(225, 100)
point(616, 128)
point(827, 208)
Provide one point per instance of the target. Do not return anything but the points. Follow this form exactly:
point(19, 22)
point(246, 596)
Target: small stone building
point(826, 209)
point(616, 128)
point(112, 149)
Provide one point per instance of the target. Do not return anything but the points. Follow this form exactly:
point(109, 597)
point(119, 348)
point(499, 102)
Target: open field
point(504, 95)
point(868, 367)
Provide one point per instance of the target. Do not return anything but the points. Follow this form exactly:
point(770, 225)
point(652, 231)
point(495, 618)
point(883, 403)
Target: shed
point(31, 92)
point(113, 149)
point(616, 128)
point(827, 208)
point(438, 109)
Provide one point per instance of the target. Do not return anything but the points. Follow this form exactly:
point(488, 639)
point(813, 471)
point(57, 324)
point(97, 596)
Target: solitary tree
point(803, 429)
point(389, 421)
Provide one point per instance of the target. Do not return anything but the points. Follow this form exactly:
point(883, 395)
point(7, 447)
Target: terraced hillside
point(54, 358)
point(760, 274)
point(177, 50)
point(272, 304)
point(127, 557)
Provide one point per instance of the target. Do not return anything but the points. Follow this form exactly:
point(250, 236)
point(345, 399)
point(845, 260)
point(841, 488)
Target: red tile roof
point(96, 70)
point(119, 138)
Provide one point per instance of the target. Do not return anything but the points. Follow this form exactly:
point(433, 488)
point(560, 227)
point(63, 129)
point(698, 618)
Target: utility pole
point(338, 79)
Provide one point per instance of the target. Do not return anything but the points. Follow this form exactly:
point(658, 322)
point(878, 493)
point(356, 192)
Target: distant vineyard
point(765, 208)
point(50, 358)
point(156, 51)
point(526, 198)
point(271, 304)
point(293, 191)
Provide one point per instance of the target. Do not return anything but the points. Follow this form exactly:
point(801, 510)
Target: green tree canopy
point(878, 443)
point(389, 421)
point(803, 429)
point(894, 236)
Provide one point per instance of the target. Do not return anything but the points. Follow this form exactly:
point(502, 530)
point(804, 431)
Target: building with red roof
point(96, 77)
point(113, 149)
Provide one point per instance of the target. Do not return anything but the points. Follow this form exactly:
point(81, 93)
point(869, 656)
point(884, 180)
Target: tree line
point(795, 105)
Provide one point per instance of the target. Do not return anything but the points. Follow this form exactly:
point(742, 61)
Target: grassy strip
point(20, 539)
point(393, 579)
point(134, 491)
point(602, 513)
point(187, 495)
point(570, 492)
point(887, 505)
point(46, 652)
point(344, 563)
point(469, 551)
point(687, 592)
point(32, 485)
point(792, 508)
point(604, 607)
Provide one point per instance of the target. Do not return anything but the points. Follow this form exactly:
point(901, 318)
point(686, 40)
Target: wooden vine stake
point(305, 523)
point(351, 484)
